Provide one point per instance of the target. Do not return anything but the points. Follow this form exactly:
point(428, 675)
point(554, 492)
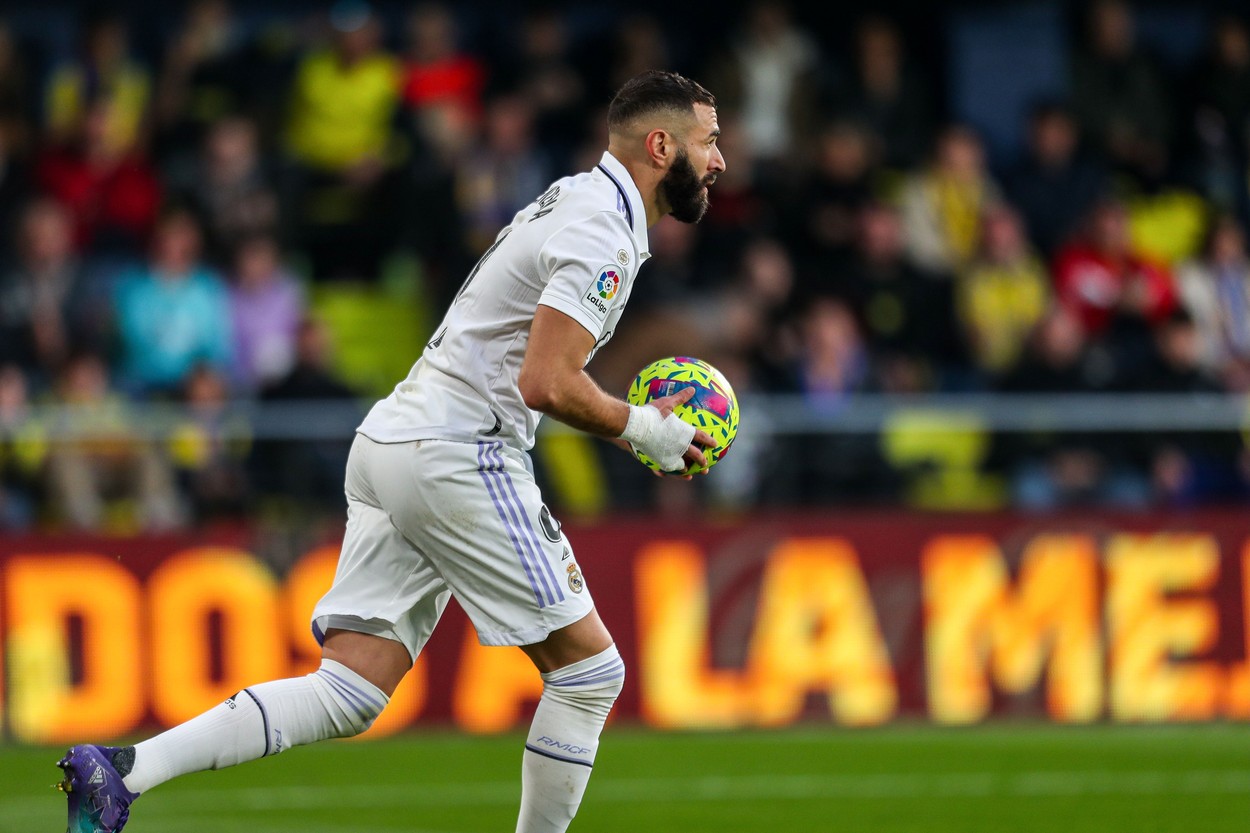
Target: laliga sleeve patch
point(603, 287)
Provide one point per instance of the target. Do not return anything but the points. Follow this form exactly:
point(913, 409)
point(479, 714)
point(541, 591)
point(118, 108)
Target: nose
point(717, 162)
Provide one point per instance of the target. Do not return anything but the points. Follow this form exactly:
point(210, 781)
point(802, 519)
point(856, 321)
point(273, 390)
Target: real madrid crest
point(575, 579)
point(622, 257)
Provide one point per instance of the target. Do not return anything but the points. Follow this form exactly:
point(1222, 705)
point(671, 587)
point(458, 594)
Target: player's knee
point(357, 703)
point(592, 685)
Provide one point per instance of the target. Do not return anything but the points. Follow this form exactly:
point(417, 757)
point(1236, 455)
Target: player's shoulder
point(590, 198)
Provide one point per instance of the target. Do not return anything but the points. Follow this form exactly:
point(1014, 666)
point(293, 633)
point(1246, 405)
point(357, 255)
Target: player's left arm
point(553, 380)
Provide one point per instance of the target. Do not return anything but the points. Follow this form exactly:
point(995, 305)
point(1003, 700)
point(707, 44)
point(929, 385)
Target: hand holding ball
point(712, 407)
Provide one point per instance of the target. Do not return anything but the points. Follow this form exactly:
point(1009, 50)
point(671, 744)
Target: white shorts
point(432, 518)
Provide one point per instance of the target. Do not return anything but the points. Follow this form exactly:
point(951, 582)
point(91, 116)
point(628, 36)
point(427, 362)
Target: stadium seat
point(378, 330)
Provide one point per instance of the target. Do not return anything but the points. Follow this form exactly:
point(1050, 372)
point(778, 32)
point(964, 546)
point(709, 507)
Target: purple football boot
point(98, 800)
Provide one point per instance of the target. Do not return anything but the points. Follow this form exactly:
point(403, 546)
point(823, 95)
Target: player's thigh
point(383, 584)
point(477, 513)
point(581, 640)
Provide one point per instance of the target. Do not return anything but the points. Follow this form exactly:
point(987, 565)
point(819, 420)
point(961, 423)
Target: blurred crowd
point(167, 212)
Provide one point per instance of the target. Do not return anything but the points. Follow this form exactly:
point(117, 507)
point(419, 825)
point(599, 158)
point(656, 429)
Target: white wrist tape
point(663, 439)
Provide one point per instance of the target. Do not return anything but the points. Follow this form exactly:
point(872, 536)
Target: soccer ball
point(714, 408)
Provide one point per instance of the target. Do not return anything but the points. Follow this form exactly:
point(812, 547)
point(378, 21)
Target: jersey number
point(503, 235)
point(438, 339)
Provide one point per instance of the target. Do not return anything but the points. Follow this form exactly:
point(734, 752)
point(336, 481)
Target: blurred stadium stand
point(965, 256)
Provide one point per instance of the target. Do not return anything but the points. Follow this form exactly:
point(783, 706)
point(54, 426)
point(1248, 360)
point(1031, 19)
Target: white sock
point(332, 702)
point(563, 740)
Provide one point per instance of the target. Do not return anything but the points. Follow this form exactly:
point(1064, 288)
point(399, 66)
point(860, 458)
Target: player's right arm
point(553, 381)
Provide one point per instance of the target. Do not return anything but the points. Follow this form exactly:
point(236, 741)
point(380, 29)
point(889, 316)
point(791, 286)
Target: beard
point(683, 190)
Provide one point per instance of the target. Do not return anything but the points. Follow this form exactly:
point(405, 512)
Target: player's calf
point(564, 738)
point(262, 720)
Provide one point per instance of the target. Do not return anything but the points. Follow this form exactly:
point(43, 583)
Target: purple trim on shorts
point(532, 536)
point(487, 470)
point(521, 521)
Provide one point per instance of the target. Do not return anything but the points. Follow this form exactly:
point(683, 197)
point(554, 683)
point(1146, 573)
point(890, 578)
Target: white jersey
point(576, 249)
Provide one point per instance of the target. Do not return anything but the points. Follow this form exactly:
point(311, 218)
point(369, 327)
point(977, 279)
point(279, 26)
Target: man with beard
point(441, 496)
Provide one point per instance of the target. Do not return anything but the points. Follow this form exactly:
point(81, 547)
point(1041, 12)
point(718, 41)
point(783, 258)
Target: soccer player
point(441, 496)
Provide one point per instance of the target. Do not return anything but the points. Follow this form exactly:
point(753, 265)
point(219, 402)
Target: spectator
point(830, 364)
point(544, 76)
point(1187, 467)
point(102, 78)
point(229, 185)
point(107, 185)
point(47, 308)
point(202, 78)
point(1055, 185)
point(15, 95)
point(266, 307)
point(503, 173)
point(1120, 95)
point(1048, 469)
point(311, 376)
point(824, 214)
point(638, 44)
point(1058, 359)
point(748, 325)
point(1220, 101)
point(172, 313)
point(1002, 295)
point(768, 80)
point(341, 137)
point(311, 469)
point(344, 99)
point(888, 95)
point(673, 265)
point(942, 205)
point(439, 78)
point(1215, 290)
point(833, 363)
point(209, 448)
point(23, 450)
point(1175, 365)
point(15, 182)
point(102, 471)
point(741, 209)
point(1104, 283)
point(1222, 82)
point(906, 314)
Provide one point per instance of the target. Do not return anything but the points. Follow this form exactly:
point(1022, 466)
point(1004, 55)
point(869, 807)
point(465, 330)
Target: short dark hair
point(653, 91)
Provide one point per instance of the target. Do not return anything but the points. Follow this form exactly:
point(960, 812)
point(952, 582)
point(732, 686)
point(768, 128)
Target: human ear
point(660, 145)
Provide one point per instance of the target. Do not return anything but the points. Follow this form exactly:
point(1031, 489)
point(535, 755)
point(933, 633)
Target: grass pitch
point(811, 780)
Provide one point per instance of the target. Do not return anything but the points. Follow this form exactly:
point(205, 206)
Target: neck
point(646, 178)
